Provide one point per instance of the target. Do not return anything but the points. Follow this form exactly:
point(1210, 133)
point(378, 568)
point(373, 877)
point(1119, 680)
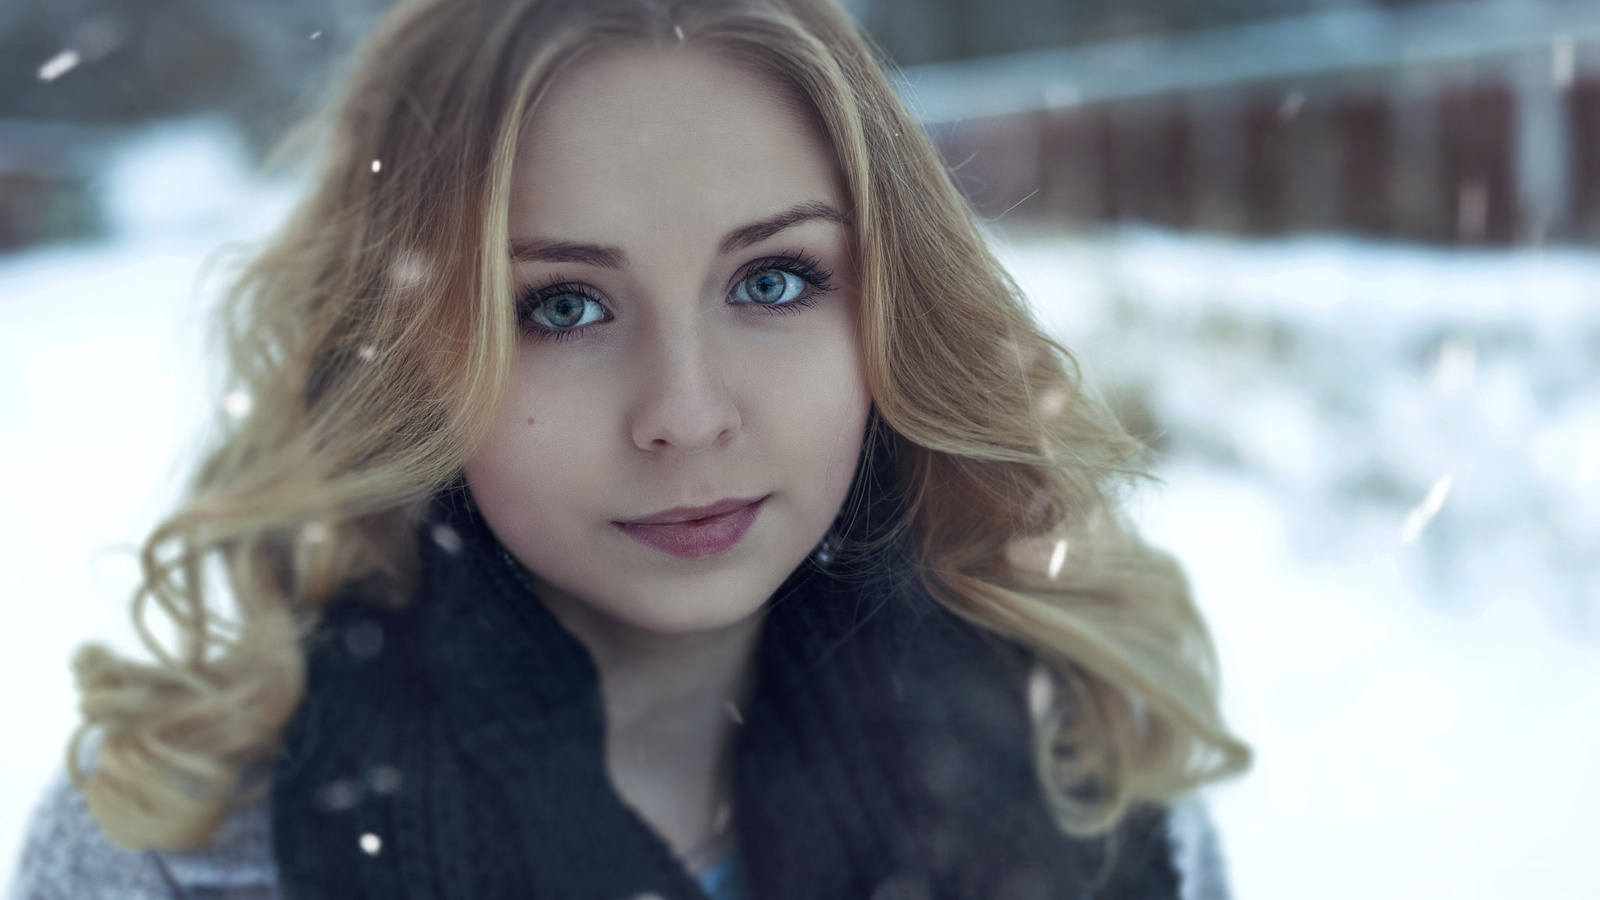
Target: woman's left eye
point(769, 287)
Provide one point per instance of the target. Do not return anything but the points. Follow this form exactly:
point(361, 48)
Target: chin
point(660, 604)
point(673, 623)
point(688, 608)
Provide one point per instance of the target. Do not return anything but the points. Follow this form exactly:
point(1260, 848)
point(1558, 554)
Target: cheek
point(545, 444)
point(818, 401)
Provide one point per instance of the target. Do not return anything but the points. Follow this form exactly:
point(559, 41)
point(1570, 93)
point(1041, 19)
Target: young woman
point(653, 487)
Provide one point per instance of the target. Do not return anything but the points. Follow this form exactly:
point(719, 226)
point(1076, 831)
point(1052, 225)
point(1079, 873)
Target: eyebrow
point(528, 251)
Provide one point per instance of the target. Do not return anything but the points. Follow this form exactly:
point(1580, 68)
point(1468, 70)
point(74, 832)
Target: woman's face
point(688, 401)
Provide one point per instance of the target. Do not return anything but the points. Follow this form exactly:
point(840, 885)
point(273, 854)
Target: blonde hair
point(375, 335)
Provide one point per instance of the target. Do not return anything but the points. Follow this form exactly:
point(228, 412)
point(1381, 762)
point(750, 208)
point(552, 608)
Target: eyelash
point(803, 266)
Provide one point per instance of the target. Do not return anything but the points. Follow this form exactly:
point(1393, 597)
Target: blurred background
point(1336, 260)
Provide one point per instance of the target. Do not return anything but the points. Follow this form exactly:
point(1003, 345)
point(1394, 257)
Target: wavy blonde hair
point(375, 334)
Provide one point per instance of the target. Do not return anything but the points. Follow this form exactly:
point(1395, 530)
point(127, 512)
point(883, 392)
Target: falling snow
point(338, 796)
point(1424, 512)
point(59, 65)
point(1057, 557)
point(1052, 402)
point(377, 165)
point(1290, 106)
point(385, 780)
point(408, 270)
point(364, 640)
point(446, 538)
point(371, 844)
point(1041, 692)
point(238, 404)
point(1563, 62)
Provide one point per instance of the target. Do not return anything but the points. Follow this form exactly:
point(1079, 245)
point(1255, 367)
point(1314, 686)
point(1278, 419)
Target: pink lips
point(695, 531)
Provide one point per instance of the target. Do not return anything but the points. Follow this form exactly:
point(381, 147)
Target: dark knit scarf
point(453, 750)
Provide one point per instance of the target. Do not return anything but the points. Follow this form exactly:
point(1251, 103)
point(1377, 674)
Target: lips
point(695, 531)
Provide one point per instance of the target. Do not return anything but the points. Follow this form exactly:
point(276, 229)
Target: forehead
point(641, 142)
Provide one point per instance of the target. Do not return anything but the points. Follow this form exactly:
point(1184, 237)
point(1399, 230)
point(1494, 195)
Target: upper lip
point(691, 513)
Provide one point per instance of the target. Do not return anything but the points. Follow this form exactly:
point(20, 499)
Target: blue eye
point(563, 311)
point(769, 287)
point(560, 309)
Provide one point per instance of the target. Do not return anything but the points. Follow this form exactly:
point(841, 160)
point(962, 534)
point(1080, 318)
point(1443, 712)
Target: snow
point(1424, 712)
point(1380, 472)
point(58, 65)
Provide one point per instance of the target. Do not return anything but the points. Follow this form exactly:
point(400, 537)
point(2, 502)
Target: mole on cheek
point(530, 420)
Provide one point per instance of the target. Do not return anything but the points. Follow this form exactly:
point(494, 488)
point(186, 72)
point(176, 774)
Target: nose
point(684, 402)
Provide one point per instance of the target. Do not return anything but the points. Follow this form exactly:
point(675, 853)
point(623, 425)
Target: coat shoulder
point(65, 856)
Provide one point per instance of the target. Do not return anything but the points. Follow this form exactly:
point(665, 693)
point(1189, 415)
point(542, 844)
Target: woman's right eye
point(560, 312)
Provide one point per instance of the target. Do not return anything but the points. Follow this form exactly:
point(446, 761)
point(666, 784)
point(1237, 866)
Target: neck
point(672, 706)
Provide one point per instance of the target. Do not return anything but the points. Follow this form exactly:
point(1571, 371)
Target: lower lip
point(699, 537)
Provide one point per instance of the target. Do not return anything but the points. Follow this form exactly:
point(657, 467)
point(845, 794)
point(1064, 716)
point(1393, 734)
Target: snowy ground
point(1381, 465)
